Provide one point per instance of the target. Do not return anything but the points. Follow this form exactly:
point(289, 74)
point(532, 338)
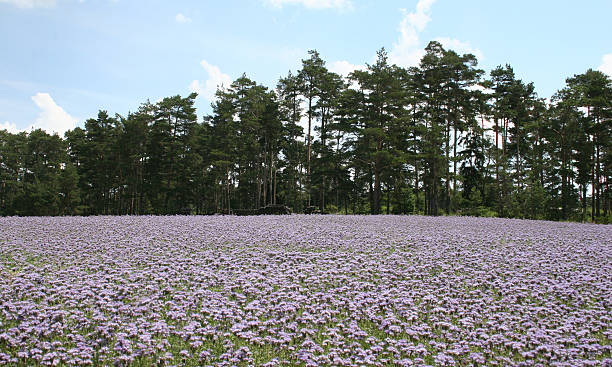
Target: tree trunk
point(455, 159)
point(265, 184)
point(497, 178)
point(323, 161)
point(584, 201)
point(593, 185)
point(309, 147)
point(563, 181)
point(377, 193)
point(598, 177)
point(388, 200)
point(371, 192)
point(426, 200)
point(274, 193)
point(447, 198)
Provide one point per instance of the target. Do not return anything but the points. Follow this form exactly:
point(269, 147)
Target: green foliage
point(434, 139)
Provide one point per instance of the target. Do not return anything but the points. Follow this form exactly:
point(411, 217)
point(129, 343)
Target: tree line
point(440, 138)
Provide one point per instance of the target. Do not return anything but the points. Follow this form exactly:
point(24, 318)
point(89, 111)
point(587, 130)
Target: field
point(304, 291)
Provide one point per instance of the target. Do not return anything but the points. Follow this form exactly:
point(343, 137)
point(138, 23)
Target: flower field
point(304, 291)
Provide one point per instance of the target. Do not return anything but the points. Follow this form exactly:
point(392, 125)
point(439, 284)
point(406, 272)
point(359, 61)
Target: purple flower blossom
point(317, 290)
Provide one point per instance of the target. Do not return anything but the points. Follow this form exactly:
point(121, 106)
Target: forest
point(441, 138)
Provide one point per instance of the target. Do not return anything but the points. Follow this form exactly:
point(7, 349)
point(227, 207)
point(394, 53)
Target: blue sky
point(63, 60)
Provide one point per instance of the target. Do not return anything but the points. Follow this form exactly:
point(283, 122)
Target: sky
point(61, 61)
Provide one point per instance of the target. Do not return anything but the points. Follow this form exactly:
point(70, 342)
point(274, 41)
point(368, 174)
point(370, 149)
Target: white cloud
point(314, 4)
point(344, 68)
point(180, 18)
point(606, 64)
point(196, 86)
point(478, 87)
point(459, 46)
point(407, 51)
point(215, 80)
point(303, 123)
point(10, 127)
point(420, 17)
point(52, 118)
point(29, 4)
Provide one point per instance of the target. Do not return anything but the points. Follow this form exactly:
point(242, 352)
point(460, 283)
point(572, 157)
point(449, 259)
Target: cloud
point(344, 68)
point(407, 51)
point(606, 64)
point(10, 127)
point(314, 4)
point(459, 46)
point(180, 18)
point(215, 80)
point(29, 4)
point(480, 88)
point(52, 118)
point(196, 86)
